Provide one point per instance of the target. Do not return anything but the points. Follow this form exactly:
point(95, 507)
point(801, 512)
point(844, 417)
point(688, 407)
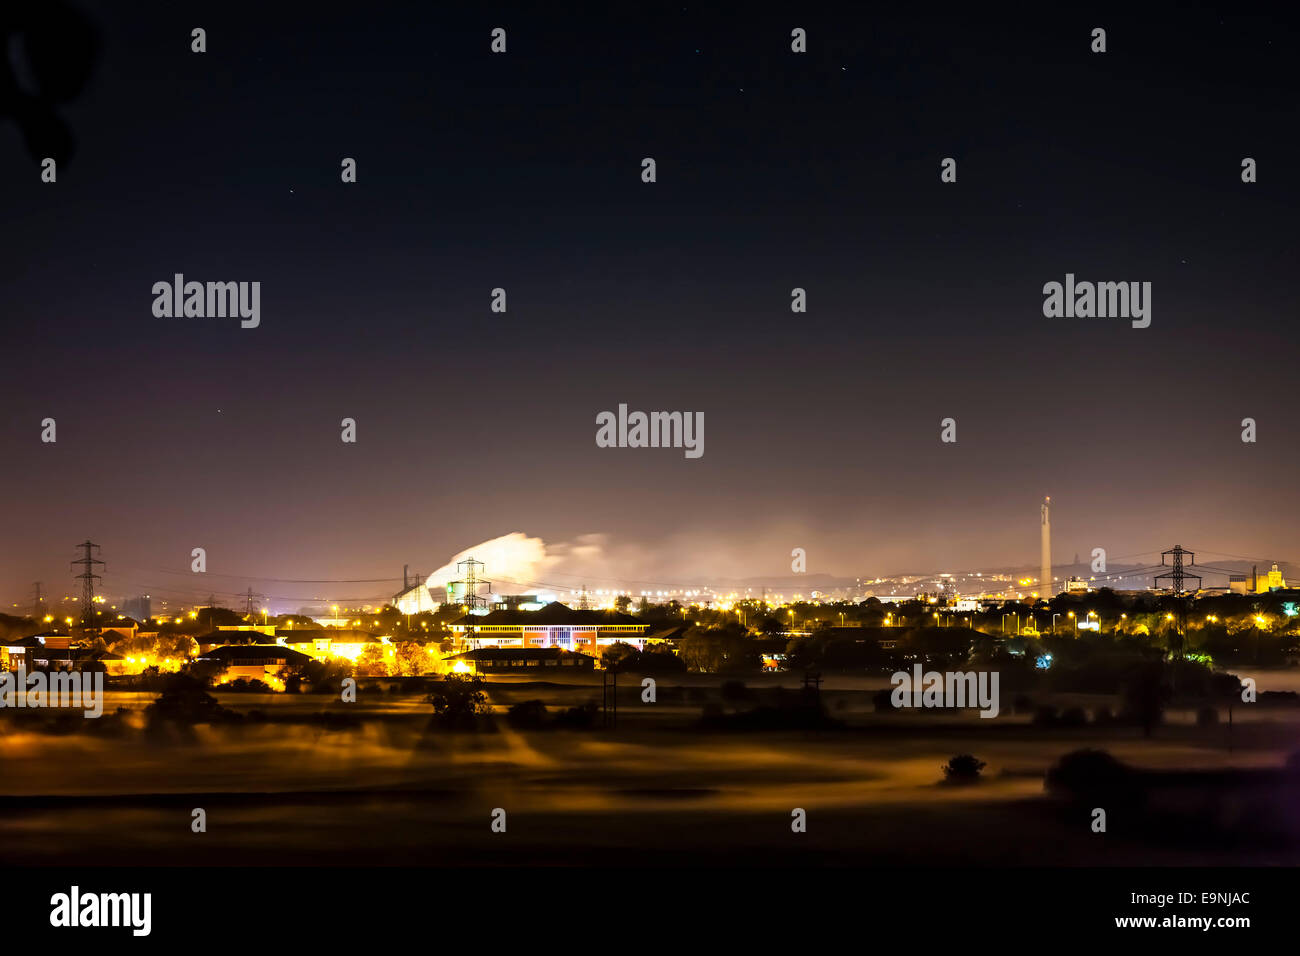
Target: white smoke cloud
point(516, 563)
point(512, 562)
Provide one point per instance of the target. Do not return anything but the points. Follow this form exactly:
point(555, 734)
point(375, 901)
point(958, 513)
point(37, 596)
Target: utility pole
point(88, 577)
point(1177, 575)
point(472, 600)
point(248, 606)
point(38, 603)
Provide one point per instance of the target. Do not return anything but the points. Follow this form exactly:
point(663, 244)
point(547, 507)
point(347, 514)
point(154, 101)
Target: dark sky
point(775, 170)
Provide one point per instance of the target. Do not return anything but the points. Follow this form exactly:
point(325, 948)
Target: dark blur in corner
point(50, 50)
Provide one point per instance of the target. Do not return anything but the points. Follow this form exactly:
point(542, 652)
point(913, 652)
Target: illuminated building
point(120, 630)
point(16, 652)
point(1255, 584)
point(415, 600)
point(230, 635)
point(556, 625)
point(667, 637)
point(264, 662)
point(332, 643)
point(521, 660)
point(519, 602)
point(56, 652)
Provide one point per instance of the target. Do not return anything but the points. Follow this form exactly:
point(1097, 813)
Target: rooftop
point(554, 614)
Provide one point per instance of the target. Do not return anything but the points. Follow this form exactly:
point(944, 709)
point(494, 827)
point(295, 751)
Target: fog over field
point(379, 783)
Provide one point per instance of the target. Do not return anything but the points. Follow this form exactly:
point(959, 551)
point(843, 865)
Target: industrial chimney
point(1045, 590)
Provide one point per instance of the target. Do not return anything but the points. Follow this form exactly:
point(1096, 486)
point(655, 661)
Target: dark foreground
point(320, 783)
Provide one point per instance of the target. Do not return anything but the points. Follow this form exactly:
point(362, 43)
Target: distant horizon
point(170, 589)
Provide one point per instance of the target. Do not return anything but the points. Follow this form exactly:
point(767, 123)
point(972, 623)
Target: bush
point(458, 701)
point(583, 717)
point(1093, 776)
point(247, 685)
point(963, 768)
point(660, 662)
point(185, 700)
point(527, 715)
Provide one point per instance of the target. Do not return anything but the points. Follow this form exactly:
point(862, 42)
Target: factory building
point(556, 625)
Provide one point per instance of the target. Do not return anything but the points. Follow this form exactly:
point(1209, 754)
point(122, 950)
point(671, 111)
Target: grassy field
point(381, 785)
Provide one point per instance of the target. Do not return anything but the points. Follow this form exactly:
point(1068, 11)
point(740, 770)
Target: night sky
point(522, 171)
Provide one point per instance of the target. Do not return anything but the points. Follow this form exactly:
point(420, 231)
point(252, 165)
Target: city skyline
point(523, 564)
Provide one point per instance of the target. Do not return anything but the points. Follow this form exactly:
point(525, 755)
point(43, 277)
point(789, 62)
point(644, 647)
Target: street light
point(1054, 617)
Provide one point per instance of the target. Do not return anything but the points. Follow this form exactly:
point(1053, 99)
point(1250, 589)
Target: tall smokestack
point(1045, 565)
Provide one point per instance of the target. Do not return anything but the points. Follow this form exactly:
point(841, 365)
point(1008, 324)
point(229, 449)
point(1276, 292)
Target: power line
point(258, 577)
point(88, 577)
point(1176, 576)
